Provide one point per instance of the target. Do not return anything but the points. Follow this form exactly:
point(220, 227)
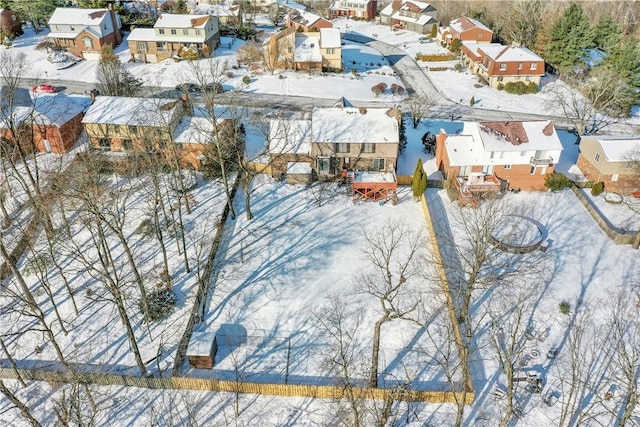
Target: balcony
point(541, 162)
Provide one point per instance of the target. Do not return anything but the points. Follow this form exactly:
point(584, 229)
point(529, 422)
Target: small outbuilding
point(202, 350)
point(299, 173)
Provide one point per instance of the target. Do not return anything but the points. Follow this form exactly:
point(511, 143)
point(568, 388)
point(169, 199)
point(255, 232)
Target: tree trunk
point(24, 410)
point(375, 352)
point(246, 186)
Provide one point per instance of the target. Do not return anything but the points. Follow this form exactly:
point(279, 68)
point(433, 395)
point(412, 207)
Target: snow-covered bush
point(160, 303)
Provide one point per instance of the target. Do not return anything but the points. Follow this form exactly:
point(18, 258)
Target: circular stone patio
point(518, 234)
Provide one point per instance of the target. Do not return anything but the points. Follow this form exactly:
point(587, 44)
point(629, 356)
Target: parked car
point(552, 353)
point(425, 40)
point(44, 88)
point(213, 87)
point(188, 87)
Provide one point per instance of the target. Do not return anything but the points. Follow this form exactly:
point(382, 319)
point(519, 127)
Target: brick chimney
point(187, 106)
point(116, 27)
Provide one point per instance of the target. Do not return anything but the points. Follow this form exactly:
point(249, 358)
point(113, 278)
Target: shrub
point(246, 80)
point(518, 88)
point(556, 181)
point(597, 188)
point(160, 303)
point(458, 67)
point(455, 45)
point(38, 263)
point(379, 88)
point(230, 74)
point(397, 89)
point(472, 101)
point(500, 86)
point(532, 87)
point(435, 58)
point(565, 307)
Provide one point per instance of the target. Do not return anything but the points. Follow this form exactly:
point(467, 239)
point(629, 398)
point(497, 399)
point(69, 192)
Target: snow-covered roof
point(619, 148)
point(290, 136)
point(193, 130)
point(299, 168)
point(501, 53)
point(49, 109)
point(201, 344)
point(291, 4)
point(77, 16)
point(329, 38)
point(219, 10)
point(117, 110)
point(422, 20)
point(475, 47)
point(354, 125)
point(476, 140)
point(169, 20)
point(421, 5)
point(304, 18)
point(387, 10)
point(365, 176)
point(307, 48)
point(465, 23)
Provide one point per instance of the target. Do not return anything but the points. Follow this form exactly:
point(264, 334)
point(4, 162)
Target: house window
point(503, 67)
point(491, 155)
point(142, 46)
point(500, 78)
point(487, 169)
point(161, 46)
point(331, 51)
point(104, 144)
point(173, 31)
point(629, 165)
point(520, 66)
point(368, 148)
point(198, 32)
point(533, 170)
point(614, 177)
point(534, 66)
point(480, 35)
point(185, 32)
point(343, 147)
point(378, 164)
point(324, 163)
point(597, 157)
point(507, 166)
point(87, 42)
point(116, 129)
point(57, 27)
point(161, 30)
point(289, 49)
point(527, 78)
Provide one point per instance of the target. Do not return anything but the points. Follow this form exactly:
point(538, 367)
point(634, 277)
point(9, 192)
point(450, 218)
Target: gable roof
point(329, 38)
point(304, 18)
point(619, 148)
point(354, 125)
point(501, 53)
point(96, 21)
point(465, 23)
point(136, 111)
point(169, 20)
point(47, 109)
point(307, 48)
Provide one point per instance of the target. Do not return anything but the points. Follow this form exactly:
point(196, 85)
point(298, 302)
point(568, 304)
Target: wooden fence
point(407, 179)
point(619, 237)
point(206, 384)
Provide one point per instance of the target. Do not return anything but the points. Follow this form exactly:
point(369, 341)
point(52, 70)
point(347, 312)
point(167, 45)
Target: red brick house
point(305, 21)
point(498, 64)
point(83, 32)
point(488, 156)
point(10, 23)
point(360, 9)
point(613, 160)
point(51, 123)
point(465, 29)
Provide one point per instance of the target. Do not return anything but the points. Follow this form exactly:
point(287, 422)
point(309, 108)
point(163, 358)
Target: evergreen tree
point(571, 37)
point(419, 181)
point(455, 45)
point(607, 33)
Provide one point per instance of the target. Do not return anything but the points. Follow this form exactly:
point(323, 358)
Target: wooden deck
point(374, 186)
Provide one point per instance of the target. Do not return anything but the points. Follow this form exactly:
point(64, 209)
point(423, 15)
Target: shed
point(202, 350)
point(299, 173)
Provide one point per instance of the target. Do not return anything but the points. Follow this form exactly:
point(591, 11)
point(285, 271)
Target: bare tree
point(394, 253)
point(419, 107)
point(340, 327)
point(76, 406)
point(522, 20)
point(24, 409)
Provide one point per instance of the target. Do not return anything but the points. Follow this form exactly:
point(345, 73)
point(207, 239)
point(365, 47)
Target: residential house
point(193, 35)
point(360, 9)
point(345, 138)
point(613, 160)
point(169, 128)
point(10, 23)
point(47, 123)
point(411, 15)
point(465, 29)
point(490, 156)
point(310, 51)
point(305, 21)
point(83, 32)
point(498, 64)
point(289, 148)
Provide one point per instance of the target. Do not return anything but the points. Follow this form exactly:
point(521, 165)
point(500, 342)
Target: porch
point(374, 186)
point(476, 185)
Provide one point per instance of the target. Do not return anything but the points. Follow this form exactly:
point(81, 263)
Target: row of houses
point(483, 157)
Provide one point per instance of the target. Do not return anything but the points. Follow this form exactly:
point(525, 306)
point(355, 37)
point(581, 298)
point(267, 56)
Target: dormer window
point(161, 31)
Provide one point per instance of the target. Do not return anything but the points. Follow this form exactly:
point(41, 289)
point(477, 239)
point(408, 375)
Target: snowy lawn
point(96, 334)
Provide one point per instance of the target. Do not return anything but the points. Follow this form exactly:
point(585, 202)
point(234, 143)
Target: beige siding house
point(613, 160)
